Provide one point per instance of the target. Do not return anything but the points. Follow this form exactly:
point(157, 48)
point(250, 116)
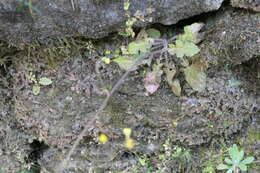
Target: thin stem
point(64, 162)
point(158, 40)
point(156, 47)
point(172, 39)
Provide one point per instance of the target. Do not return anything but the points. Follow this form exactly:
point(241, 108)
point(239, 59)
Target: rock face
point(25, 20)
point(233, 39)
point(248, 4)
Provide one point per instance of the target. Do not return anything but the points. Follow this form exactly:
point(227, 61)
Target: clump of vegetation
point(28, 3)
point(148, 49)
point(44, 81)
point(178, 156)
point(152, 51)
point(236, 161)
point(233, 164)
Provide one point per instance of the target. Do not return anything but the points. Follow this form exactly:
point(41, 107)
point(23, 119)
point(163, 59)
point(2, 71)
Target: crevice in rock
point(37, 149)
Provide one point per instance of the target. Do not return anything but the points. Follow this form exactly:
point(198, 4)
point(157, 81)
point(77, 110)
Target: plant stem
point(236, 170)
point(64, 162)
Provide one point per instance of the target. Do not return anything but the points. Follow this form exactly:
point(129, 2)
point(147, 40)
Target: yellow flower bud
point(129, 143)
point(127, 132)
point(102, 138)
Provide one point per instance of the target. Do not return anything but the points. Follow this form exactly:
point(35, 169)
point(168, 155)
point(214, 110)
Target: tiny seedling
point(37, 83)
point(208, 169)
point(236, 161)
point(181, 152)
point(144, 162)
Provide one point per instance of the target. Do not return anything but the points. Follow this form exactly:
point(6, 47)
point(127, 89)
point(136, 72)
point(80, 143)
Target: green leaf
point(230, 170)
point(124, 62)
point(195, 77)
point(208, 169)
point(142, 161)
point(176, 87)
point(187, 36)
point(106, 60)
point(248, 160)
point(45, 81)
point(36, 89)
point(139, 46)
point(233, 152)
point(222, 166)
point(243, 167)
point(183, 48)
point(126, 5)
point(107, 52)
point(228, 161)
point(153, 33)
point(191, 33)
point(240, 156)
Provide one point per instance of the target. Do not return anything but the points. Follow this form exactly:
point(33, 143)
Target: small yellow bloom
point(127, 132)
point(129, 143)
point(103, 138)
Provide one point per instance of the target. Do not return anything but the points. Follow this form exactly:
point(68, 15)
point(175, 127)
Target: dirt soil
point(37, 130)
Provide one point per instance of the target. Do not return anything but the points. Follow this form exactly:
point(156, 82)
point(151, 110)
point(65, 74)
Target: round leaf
point(45, 81)
point(139, 46)
point(222, 166)
point(248, 160)
point(36, 89)
point(233, 152)
point(106, 60)
point(183, 49)
point(124, 62)
point(230, 170)
point(195, 78)
point(242, 167)
point(154, 33)
point(228, 161)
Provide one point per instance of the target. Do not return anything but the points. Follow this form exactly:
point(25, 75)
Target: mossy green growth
point(236, 161)
point(253, 134)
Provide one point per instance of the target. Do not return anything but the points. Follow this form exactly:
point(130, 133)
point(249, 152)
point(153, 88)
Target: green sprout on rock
point(236, 161)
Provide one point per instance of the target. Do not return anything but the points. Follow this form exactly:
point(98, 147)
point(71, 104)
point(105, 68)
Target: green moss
point(255, 135)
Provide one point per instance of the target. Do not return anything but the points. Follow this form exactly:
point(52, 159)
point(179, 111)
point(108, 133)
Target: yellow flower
point(102, 138)
point(127, 132)
point(129, 143)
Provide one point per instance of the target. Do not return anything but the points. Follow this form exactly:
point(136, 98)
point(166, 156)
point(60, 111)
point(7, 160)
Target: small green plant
point(31, 8)
point(168, 53)
point(37, 83)
point(128, 31)
point(208, 169)
point(144, 162)
point(181, 152)
point(236, 161)
point(126, 5)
